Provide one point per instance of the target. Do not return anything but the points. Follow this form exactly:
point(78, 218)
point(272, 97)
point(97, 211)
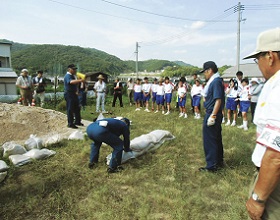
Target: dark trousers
point(212, 142)
point(117, 95)
point(73, 108)
point(101, 134)
point(253, 108)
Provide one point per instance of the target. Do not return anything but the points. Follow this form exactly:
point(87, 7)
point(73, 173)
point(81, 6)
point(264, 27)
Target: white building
point(7, 76)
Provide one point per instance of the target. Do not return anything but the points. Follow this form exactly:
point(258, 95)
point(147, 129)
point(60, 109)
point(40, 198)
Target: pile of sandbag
point(20, 155)
point(144, 143)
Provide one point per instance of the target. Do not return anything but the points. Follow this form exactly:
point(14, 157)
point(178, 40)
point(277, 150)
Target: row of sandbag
point(144, 143)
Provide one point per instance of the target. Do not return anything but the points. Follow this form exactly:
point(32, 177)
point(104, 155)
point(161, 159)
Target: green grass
point(164, 184)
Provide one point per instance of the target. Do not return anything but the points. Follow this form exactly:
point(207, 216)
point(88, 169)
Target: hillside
point(53, 58)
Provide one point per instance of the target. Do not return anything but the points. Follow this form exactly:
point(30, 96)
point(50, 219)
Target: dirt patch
point(18, 122)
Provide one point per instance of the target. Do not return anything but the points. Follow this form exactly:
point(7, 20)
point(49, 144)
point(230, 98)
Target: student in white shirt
point(231, 104)
point(146, 88)
point(154, 93)
point(168, 88)
point(137, 94)
point(196, 97)
point(244, 103)
point(182, 97)
point(160, 96)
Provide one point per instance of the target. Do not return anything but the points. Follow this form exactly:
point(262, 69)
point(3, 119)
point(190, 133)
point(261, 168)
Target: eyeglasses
point(261, 54)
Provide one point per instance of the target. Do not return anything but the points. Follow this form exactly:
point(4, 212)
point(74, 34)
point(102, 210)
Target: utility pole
point(136, 64)
point(238, 9)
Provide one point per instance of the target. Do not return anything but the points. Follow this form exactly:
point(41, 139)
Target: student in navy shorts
point(231, 104)
point(137, 94)
point(244, 103)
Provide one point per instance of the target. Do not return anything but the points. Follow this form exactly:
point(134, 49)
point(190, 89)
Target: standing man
point(71, 96)
point(39, 83)
point(264, 202)
point(212, 130)
point(100, 89)
point(24, 83)
point(193, 82)
point(108, 131)
point(117, 92)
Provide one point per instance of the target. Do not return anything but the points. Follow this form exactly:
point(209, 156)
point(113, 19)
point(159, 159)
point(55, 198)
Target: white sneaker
point(156, 111)
point(167, 113)
point(223, 121)
point(162, 112)
point(147, 110)
point(233, 123)
point(181, 114)
point(245, 128)
point(228, 123)
point(137, 109)
point(185, 116)
point(241, 126)
point(198, 117)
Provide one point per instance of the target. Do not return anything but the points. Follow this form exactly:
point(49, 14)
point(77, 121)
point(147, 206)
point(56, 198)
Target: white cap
point(255, 80)
point(24, 70)
point(267, 41)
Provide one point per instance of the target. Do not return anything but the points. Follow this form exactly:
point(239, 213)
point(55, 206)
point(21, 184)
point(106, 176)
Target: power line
point(160, 15)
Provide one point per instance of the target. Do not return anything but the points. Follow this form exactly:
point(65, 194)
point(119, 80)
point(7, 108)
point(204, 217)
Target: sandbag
point(19, 160)
point(33, 142)
point(53, 139)
point(3, 176)
point(3, 166)
point(76, 135)
point(37, 154)
point(11, 148)
point(125, 157)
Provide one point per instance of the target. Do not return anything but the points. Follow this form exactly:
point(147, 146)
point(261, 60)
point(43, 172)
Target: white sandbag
point(11, 148)
point(76, 135)
point(37, 154)
point(19, 160)
point(33, 142)
point(142, 142)
point(3, 176)
point(162, 134)
point(125, 157)
point(54, 139)
point(3, 166)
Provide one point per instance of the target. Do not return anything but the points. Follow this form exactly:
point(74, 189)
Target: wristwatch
point(256, 198)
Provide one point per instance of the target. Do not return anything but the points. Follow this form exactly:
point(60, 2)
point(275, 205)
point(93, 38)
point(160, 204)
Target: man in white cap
point(24, 83)
point(100, 89)
point(264, 202)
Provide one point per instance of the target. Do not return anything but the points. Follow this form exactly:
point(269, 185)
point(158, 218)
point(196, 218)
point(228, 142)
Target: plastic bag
point(3, 166)
point(76, 135)
point(56, 138)
point(125, 157)
point(3, 176)
point(11, 148)
point(37, 154)
point(19, 160)
point(33, 142)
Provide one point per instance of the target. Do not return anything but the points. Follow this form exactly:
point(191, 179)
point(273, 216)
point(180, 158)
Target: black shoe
point(115, 170)
point(79, 124)
point(72, 126)
point(204, 169)
point(91, 165)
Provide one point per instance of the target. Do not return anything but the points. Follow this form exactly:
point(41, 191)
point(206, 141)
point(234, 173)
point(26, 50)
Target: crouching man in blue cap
point(108, 131)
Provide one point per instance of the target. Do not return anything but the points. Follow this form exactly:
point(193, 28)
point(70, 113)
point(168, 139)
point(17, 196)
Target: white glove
point(211, 120)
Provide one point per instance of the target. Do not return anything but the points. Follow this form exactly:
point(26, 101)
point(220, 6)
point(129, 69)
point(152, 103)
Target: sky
point(185, 30)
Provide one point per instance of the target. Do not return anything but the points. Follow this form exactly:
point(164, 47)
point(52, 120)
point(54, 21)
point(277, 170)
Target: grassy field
point(164, 184)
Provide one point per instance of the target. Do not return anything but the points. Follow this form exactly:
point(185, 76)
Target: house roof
point(9, 74)
point(249, 70)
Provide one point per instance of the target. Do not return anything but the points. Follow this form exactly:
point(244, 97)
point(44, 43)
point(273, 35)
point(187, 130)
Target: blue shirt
point(215, 91)
point(118, 128)
point(72, 88)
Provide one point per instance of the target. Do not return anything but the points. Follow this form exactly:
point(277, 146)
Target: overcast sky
point(202, 31)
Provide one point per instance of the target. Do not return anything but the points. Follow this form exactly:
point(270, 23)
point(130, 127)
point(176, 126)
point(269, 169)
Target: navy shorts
point(160, 99)
point(244, 106)
point(154, 96)
point(183, 102)
point(231, 104)
point(168, 97)
point(196, 100)
point(137, 96)
point(146, 98)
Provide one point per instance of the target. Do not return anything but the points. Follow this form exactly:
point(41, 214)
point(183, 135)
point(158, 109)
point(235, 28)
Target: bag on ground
point(3, 176)
point(37, 154)
point(3, 166)
point(33, 142)
point(19, 160)
point(11, 148)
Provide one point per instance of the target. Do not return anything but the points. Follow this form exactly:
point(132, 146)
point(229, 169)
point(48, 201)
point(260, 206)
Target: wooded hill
point(55, 59)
